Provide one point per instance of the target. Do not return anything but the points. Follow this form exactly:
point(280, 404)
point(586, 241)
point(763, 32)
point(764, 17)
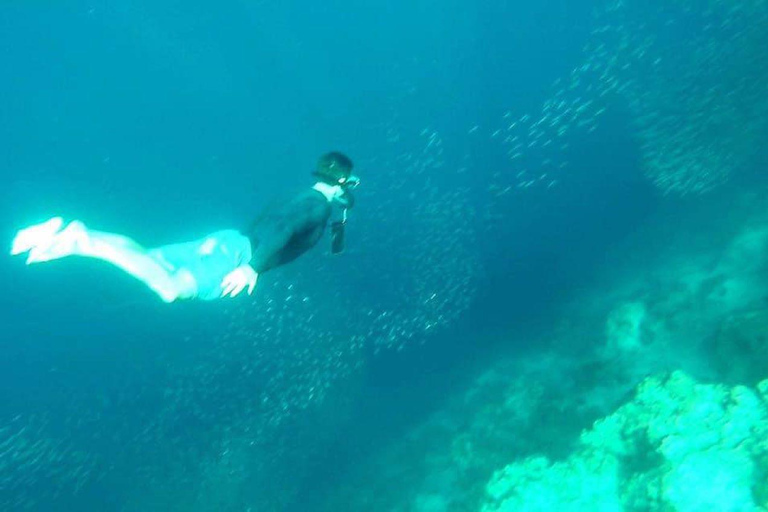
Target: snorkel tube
point(347, 202)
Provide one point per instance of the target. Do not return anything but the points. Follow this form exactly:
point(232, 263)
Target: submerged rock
point(678, 445)
point(740, 346)
point(624, 328)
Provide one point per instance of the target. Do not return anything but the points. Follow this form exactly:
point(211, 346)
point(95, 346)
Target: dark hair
point(335, 158)
point(334, 166)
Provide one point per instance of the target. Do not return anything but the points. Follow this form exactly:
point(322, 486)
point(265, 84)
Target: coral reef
point(678, 445)
point(546, 429)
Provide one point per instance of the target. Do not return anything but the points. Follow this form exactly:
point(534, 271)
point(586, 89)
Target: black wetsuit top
point(286, 231)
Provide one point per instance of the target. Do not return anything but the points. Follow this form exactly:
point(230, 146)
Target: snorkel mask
point(349, 182)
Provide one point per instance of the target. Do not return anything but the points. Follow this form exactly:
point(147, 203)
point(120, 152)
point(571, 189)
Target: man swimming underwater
point(223, 263)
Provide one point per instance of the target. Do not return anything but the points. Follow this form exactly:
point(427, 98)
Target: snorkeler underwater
point(223, 263)
point(527, 272)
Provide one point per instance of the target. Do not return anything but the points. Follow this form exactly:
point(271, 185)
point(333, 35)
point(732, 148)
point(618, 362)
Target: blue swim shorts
point(208, 259)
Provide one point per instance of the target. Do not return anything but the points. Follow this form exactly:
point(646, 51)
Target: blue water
point(166, 120)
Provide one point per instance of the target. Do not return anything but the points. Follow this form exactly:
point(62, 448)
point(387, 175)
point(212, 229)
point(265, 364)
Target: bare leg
point(44, 243)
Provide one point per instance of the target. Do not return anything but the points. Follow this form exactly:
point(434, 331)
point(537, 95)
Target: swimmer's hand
point(237, 280)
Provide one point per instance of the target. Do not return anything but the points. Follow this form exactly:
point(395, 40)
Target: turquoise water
point(552, 296)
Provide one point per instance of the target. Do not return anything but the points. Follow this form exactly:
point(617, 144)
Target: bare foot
point(38, 235)
point(63, 243)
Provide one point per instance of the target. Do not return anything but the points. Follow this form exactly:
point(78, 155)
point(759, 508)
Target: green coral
point(679, 445)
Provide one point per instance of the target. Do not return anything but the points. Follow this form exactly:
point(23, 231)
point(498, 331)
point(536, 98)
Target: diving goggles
point(350, 181)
